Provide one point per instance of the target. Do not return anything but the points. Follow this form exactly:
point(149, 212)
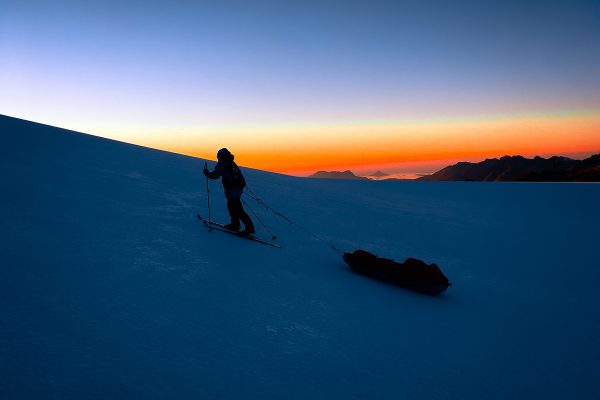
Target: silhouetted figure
point(233, 183)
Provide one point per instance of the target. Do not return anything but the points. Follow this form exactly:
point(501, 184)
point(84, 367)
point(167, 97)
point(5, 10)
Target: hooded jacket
point(230, 174)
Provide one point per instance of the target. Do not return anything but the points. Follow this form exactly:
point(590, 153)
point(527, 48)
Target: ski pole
point(273, 236)
point(208, 196)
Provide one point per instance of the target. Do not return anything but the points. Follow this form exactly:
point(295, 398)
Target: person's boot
point(233, 227)
point(248, 230)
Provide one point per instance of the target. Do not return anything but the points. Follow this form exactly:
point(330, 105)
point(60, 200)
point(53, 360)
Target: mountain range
point(518, 168)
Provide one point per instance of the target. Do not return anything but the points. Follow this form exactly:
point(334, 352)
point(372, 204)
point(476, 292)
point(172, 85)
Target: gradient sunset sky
point(295, 87)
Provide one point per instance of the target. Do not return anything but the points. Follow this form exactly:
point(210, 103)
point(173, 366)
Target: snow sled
point(411, 274)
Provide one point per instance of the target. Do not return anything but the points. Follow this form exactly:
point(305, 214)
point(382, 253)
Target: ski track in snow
point(112, 288)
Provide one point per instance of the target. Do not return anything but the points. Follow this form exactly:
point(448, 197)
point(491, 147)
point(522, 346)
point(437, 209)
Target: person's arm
point(216, 174)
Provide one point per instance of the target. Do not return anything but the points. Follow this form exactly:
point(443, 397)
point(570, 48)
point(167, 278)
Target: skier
point(233, 184)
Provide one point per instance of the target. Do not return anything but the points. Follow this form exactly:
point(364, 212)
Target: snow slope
point(111, 288)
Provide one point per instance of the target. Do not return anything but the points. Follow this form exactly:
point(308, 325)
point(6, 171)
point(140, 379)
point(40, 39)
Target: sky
point(295, 87)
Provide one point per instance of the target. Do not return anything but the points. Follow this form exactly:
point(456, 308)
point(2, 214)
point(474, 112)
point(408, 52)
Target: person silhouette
point(233, 184)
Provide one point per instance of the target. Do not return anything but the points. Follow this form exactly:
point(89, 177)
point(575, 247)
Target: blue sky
point(309, 60)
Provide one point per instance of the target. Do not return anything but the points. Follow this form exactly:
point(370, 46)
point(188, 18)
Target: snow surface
point(111, 288)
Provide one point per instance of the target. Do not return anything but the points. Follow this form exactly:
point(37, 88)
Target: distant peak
point(336, 175)
point(379, 174)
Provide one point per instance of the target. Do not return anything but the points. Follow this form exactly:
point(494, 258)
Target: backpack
point(237, 179)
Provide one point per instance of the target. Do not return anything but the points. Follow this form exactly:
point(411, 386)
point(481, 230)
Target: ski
point(221, 227)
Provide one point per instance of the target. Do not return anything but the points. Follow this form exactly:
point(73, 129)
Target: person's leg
point(248, 225)
point(234, 215)
point(237, 211)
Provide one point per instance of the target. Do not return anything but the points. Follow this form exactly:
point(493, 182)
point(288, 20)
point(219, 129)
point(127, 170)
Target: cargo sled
point(412, 274)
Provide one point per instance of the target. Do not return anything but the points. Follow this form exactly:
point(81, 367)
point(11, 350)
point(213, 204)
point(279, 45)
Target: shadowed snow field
point(111, 288)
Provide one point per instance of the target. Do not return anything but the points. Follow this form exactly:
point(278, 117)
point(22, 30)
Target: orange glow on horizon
point(301, 149)
point(304, 148)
